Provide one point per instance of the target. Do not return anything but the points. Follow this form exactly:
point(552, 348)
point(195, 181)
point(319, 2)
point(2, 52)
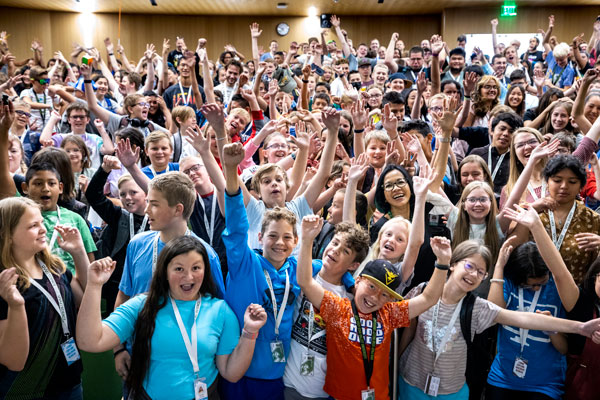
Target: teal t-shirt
point(71, 219)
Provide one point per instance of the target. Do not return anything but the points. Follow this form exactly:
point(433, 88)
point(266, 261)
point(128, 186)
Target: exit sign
point(509, 10)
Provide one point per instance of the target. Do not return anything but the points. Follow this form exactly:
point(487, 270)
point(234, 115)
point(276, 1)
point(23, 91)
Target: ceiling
point(269, 7)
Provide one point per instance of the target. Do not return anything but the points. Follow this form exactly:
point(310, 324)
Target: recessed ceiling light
point(282, 5)
point(312, 11)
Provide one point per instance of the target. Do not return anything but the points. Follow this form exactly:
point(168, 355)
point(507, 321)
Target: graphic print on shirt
point(367, 326)
point(425, 335)
point(300, 328)
point(538, 336)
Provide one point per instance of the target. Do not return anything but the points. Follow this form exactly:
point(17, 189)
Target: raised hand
point(359, 114)
point(165, 47)
point(390, 122)
point(213, 113)
point(590, 75)
point(99, 271)
point(109, 163)
point(301, 140)
point(421, 82)
point(86, 71)
point(437, 44)
point(202, 43)
point(197, 139)
point(358, 168)
point(108, 44)
point(311, 227)
point(505, 251)
point(8, 288)
point(551, 21)
point(335, 21)
point(233, 154)
point(392, 155)
point(255, 31)
point(545, 150)
point(254, 318)
point(527, 218)
point(69, 239)
point(7, 116)
point(331, 120)
point(442, 249)
point(421, 183)
point(469, 82)
point(494, 23)
point(448, 118)
point(126, 155)
point(539, 78)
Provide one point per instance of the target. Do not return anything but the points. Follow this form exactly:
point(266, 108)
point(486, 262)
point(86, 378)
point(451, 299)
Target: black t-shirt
point(531, 114)
point(174, 57)
point(477, 136)
point(174, 97)
point(533, 57)
point(46, 372)
point(583, 312)
point(503, 171)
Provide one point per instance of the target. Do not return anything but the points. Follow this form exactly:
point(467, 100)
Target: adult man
point(456, 65)
point(233, 69)
point(273, 47)
point(415, 63)
point(499, 66)
point(181, 93)
point(364, 69)
point(177, 54)
point(533, 54)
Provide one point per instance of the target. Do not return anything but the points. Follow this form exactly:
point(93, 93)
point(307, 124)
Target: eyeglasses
point(277, 147)
point(530, 143)
point(536, 286)
point(78, 117)
point(436, 109)
point(475, 200)
point(194, 169)
point(489, 87)
point(44, 81)
point(24, 113)
point(143, 104)
point(470, 268)
point(388, 187)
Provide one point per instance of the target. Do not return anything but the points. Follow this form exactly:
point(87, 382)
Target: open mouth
point(45, 198)
point(188, 287)
point(388, 247)
point(398, 196)
point(368, 304)
point(468, 281)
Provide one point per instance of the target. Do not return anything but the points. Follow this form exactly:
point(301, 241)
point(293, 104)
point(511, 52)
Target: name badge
point(432, 385)
point(70, 351)
point(200, 390)
point(307, 366)
point(277, 352)
point(520, 367)
point(368, 394)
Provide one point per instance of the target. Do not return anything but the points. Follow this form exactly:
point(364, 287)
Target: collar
point(204, 196)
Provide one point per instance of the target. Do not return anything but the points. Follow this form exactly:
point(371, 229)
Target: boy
point(42, 185)
point(305, 371)
point(356, 369)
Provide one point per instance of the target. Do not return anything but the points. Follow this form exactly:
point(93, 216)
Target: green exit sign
point(509, 10)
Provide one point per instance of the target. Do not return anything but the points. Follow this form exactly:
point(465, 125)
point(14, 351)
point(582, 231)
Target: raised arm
point(357, 171)
point(437, 46)
point(49, 127)
point(93, 105)
point(208, 82)
point(415, 112)
point(302, 142)
point(129, 159)
point(255, 33)
point(446, 123)
point(389, 54)
point(578, 106)
point(148, 55)
point(494, 24)
point(311, 226)
point(14, 332)
point(7, 116)
point(360, 117)
point(124, 60)
point(548, 33)
point(335, 21)
point(202, 143)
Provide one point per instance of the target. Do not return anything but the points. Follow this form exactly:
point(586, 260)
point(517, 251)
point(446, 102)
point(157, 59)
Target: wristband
point(495, 280)
point(293, 155)
point(442, 266)
point(221, 138)
point(435, 55)
point(394, 138)
point(305, 80)
point(119, 351)
point(249, 335)
point(87, 81)
point(467, 97)
point(111, 54)
point(445, 140)
point(359, 130)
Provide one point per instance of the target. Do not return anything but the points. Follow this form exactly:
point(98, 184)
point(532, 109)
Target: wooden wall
point(58, 30)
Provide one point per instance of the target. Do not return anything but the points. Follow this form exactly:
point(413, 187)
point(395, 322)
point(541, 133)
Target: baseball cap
point(400, 75)
point(363, 62)
point(383, 274)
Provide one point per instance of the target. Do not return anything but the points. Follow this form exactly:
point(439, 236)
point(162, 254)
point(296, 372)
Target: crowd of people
point(336, 220)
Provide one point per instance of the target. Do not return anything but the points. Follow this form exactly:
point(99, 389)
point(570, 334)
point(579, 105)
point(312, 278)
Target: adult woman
point(50, 363)
point(515, 99)
point(181, 291)
point(485, 97)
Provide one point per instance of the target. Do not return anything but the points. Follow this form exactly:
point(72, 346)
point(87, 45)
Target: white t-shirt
point(309, 386)
point(41, 116)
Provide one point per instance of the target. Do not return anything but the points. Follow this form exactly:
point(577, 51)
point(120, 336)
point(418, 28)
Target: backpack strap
point(466, 314)
point(177, 140)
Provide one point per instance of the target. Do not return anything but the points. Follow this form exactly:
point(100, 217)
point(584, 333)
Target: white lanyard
point(311, 319)
point(446, 337)
point(60, 307)
point(534, 194)
point(210, 228)
point(230, 94)
point(192, 348)
point(55, 233)
point(142, 227)
point(186, 101)
point(563, 233)
point(278, 315)
point(155, 249)
point(499, 162)
point(524, 332)
point(154, 174)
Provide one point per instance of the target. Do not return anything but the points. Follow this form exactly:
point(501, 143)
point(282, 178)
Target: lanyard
point(60, 307)
point(229, 95)
point(155, 249)
point(434, 329)
point(555, 79)
point(192, 348)
point(210, 228)
point(278, 315)
point(55, 233)
point(524, 332)
point(154, 174)
point(142, 227)
point(186, 101)
point(499, 162)
point(563, 233)
point(41, 110)
point(311, 321)
point(534, 194)
point(368, 359)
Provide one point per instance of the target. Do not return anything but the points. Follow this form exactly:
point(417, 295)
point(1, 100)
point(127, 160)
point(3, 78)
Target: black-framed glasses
point(475, 200)
point(78, 117)
point(388, 187)
point(193, 168)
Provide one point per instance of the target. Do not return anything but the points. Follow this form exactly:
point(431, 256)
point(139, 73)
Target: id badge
point(277, 352)
point(70, 351)
point(520, 367)
point(368, 394)
point(432, 385)
point(307, 367)
point(200, 390)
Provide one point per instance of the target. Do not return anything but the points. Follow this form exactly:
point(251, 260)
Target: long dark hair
point(525, 262)
point(380, 202)
point(136, 138)
point(157, 299)
point(589, 281)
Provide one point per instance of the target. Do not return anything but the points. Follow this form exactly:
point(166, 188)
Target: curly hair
point(481, 106)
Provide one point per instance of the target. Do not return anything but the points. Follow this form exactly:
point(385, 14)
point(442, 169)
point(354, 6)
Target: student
point(38, 353)
point(38, 97)
point(182, 290)
point(306, 367)
point(349, 374)
point(43, 185)
point(79, 155)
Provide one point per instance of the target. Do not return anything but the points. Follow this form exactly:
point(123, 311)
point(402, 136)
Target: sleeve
point(235, 235)
point(249, 150)
point(215, 268)
point(114, 122)
point(399, 314)
point(529, 115)
point(122, 320)
point(168, 98)
point(3, 309)
point(474, 136)
point(86, 236)
point(331, 306)
point(487, 69)
point(301, 207)
point(230, 336)
point(57, 139)
point(94, 194)
point(584, 151)
point(126, 283)
point(508, 289)
point(486, 313)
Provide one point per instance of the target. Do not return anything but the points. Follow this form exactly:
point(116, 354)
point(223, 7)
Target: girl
point(558, 119)
point(181, 291)
point(136, 141)
point(535, 117)
point(586, 107)
point(79, 155)
point(51, 294)
point(485, 97)
point(432, 354)
point(471, 168)
point(16, 156)
point(515, 99)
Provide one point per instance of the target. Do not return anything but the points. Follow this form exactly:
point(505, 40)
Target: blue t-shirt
point(546, 367)
point(560, 76)
point(137, 271)
point(148, 171)
point(170, 374)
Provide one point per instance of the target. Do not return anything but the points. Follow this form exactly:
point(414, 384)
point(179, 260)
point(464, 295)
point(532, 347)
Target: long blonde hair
point(462, 229)
point(516, 168)
point(11, 212)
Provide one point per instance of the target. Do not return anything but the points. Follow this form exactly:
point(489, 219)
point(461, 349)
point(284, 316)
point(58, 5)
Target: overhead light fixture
point(282, 6)
point(312, 11)
point(153, 2)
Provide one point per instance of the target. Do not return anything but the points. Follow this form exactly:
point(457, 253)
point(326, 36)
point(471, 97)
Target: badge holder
point(368, 394)
point(200, 389)
point(307, 366)
point(277, 352)
point(432, 385)
point(70, 351)
point(520, 367)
